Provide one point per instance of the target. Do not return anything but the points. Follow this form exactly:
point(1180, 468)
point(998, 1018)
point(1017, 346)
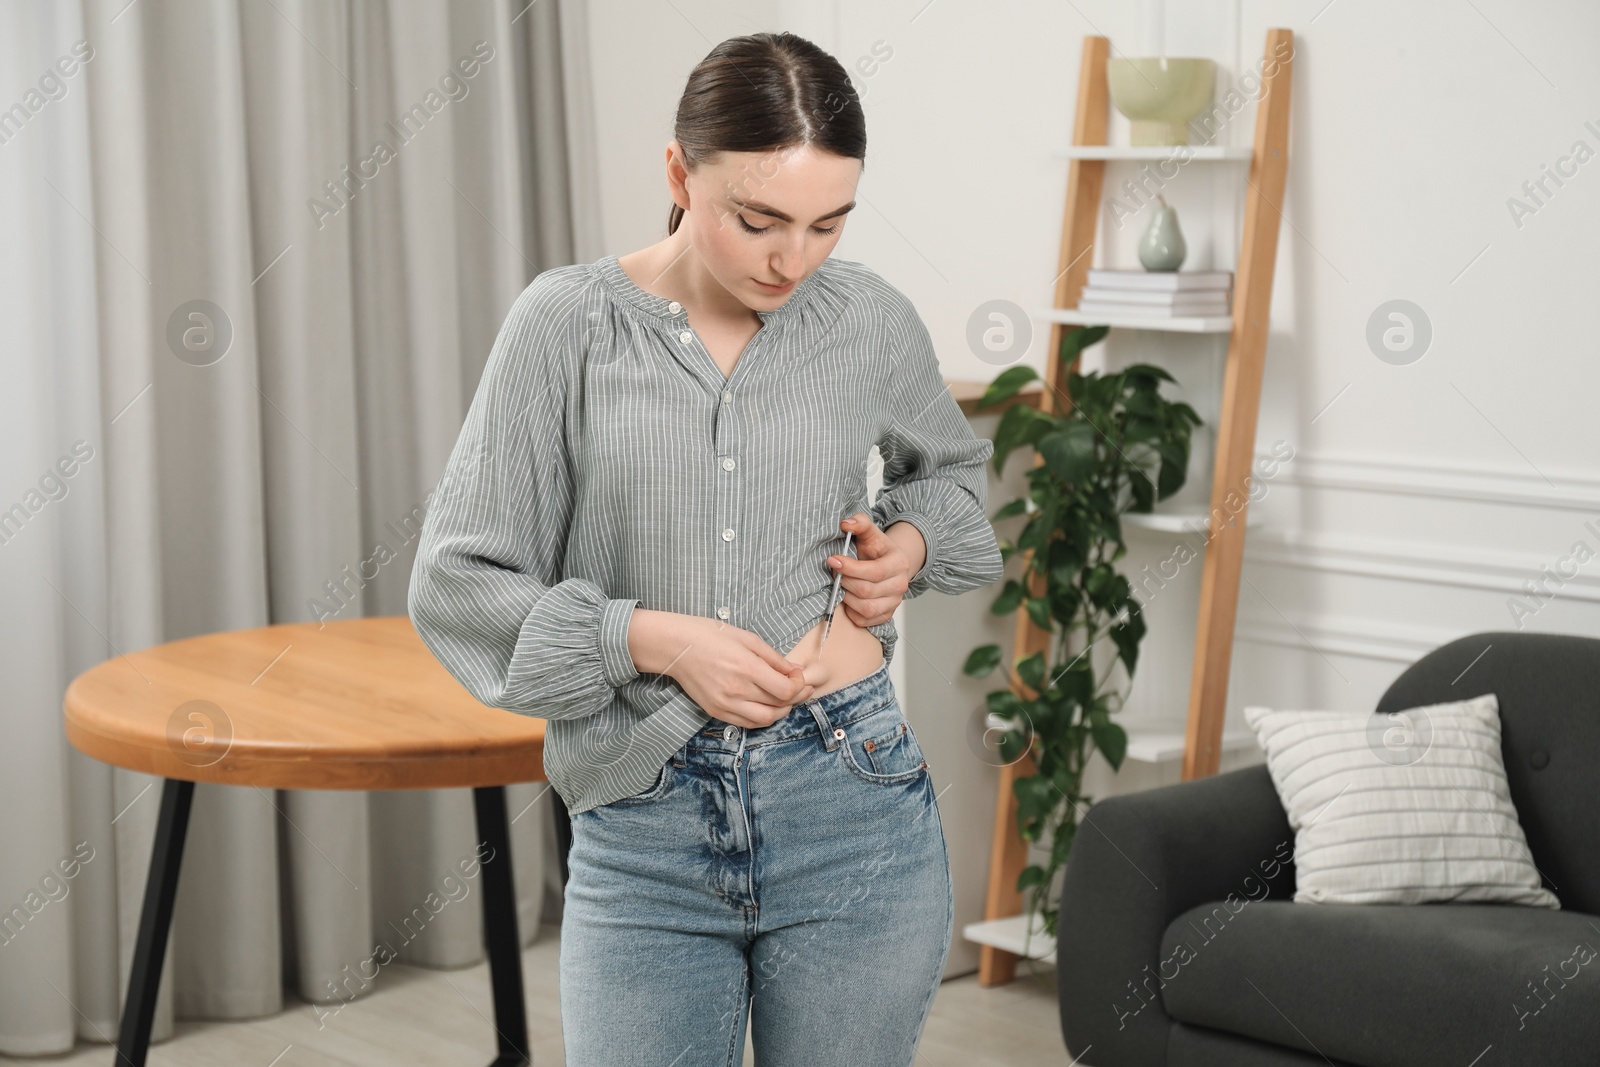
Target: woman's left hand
point(875, 581)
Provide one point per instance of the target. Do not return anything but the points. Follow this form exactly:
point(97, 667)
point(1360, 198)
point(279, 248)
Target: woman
point(651, 487)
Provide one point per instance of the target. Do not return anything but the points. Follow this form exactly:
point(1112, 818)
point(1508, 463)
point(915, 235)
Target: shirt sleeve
point(933, 466)
point(486, 595)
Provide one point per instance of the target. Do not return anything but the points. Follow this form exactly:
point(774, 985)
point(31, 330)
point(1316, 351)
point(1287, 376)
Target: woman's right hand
point(733, 674)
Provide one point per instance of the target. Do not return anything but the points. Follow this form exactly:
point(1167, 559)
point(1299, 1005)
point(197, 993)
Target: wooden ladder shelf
point(1236, 432)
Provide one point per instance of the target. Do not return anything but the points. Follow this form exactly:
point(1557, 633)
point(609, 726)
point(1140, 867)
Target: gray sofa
point(1271, 983)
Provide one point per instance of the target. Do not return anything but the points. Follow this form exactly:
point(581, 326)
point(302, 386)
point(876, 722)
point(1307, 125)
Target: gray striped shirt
point(606, 463)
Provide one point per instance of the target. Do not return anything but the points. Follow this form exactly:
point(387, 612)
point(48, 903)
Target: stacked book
point(1157, 294)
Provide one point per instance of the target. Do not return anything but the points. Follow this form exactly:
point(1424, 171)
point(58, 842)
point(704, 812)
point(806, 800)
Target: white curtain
point(162, 152)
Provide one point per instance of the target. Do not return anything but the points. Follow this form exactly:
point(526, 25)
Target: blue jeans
point(796, 872)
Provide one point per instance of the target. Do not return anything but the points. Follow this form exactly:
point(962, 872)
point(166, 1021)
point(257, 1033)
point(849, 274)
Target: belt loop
point(824, 727)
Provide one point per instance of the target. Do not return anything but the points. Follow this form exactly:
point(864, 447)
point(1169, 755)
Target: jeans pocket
point(881, 748)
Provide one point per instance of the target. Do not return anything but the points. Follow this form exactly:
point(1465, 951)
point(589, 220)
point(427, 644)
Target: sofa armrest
point(1139, 861)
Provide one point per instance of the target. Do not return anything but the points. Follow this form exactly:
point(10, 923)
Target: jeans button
point(730, 733)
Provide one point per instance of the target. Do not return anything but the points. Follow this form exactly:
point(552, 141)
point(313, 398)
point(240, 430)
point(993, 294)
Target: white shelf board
point(1194, 153)
point(1188, 520)
point(1159, 746)
point(1007, 934)
point(1151, 746)
point(1179, 324)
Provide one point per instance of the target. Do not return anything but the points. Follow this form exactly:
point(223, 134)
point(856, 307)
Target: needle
point(834, 596)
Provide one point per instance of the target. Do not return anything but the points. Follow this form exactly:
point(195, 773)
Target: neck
point(678, 273)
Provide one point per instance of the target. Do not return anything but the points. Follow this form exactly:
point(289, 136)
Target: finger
point(877, 607)
point(859, 608)
point(762, 714)
point(870, 541)
point(782, 684)
point(780, 679)
point(871, 618)
point(815, 674)
point(741, 715)
point(769, 655)
point(870, 570)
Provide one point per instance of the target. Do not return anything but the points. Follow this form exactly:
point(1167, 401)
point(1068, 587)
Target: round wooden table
point(352, 704)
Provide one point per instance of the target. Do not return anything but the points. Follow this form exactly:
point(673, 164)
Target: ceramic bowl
point(1160, 94)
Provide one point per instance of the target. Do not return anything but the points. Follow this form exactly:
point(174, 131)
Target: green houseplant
point(1120, 447)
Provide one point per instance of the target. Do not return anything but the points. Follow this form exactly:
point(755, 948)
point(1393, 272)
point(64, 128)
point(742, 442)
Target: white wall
point(1422, 497)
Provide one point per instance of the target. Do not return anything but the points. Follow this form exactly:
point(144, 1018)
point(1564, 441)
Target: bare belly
point(852, 653)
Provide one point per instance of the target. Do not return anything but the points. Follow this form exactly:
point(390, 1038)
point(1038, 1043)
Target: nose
point(790, 262)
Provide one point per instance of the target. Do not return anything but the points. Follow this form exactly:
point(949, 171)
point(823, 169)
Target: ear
point(677, 174)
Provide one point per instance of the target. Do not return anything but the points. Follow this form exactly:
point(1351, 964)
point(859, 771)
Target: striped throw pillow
point(1399, 808)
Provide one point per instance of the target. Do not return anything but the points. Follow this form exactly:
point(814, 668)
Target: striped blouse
point(606, 463)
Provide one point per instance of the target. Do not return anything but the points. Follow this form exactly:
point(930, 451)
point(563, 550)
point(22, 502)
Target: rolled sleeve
point(924, 524)
point(615, 658)
point(486, 595)
point(934, 473)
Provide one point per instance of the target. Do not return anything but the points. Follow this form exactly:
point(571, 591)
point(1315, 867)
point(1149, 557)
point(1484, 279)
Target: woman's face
point(797, 198)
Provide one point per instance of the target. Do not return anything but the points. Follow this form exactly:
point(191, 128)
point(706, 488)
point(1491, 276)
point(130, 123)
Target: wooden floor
point(424, 1017)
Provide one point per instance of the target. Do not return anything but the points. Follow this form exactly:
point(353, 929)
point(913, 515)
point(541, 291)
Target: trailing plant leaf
point(1148, 372)
point(1016, 507)
point(1020, 425)
point(1140, 429)
point(1004, 703)
point(981, 661)
point(1032, 875)
point(1112, 741)
point(1006, 601)
point(1174, 467)
point(1013, 744)
point(1070, 452)
point(1067, 556)
point(1031, 671)
point(1126, 635)
point(1075, 341)
point(1062, 843)
point(1144, 495)
point(1007, 385)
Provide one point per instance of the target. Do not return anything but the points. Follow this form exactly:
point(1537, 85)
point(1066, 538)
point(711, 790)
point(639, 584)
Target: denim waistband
point(819, 715)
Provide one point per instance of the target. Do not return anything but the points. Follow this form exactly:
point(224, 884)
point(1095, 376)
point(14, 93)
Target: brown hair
point(767, 91)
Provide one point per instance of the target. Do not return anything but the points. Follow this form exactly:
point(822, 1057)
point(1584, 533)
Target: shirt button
point(727, 396)
point(729, 733)
point(728, 463)
point(674, 307)
point(722, 612)
point(686, 337)
point(727, 535)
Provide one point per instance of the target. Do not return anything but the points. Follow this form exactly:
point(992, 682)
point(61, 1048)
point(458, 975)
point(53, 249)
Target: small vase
point(1162, 247)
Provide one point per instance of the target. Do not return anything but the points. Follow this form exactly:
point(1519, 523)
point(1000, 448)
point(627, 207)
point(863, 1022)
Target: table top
point(345, 704)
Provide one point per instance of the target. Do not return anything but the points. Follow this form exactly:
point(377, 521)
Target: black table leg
point(155, 924)
point(501, 943)
point(500, 940)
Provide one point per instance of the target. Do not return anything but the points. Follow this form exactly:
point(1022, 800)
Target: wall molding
point(1503, 573)
point(1472, 483)
point(1342, 636)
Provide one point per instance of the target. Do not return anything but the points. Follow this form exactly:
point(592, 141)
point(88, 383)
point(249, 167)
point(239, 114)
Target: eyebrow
point(766, 209)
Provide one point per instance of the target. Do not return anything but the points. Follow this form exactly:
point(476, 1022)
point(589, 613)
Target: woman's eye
point(763, 229)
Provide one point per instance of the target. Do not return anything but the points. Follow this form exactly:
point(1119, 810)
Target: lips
point(774, 288)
